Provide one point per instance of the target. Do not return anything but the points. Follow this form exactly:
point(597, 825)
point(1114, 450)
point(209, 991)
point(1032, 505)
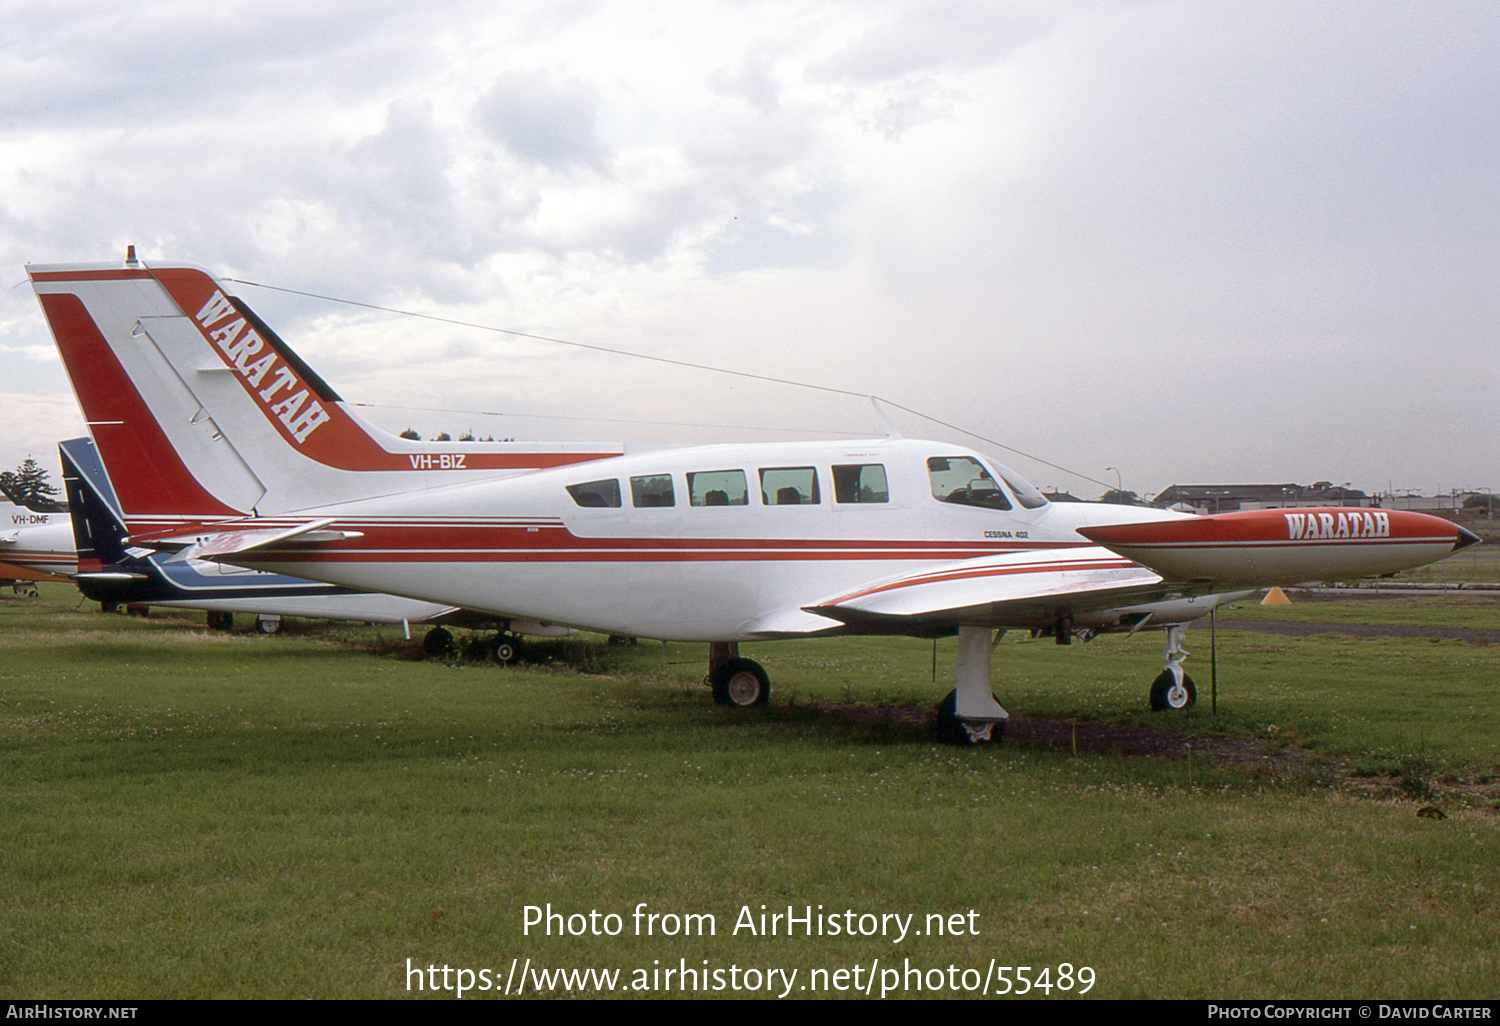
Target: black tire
point(504, 651)
point(438, 644)
point(265, 626)
point(742, 683)
point(950, 730)
point(220, 621)
point(1165, 696)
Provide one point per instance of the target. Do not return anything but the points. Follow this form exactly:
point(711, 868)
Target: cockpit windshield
point(965, 481)
point(1025, 492)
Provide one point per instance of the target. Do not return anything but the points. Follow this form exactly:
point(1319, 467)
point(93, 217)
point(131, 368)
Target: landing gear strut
point(1173, 689)
point(969, 715)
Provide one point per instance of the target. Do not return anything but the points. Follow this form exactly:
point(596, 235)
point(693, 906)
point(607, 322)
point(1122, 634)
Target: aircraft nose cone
point(1465, 538)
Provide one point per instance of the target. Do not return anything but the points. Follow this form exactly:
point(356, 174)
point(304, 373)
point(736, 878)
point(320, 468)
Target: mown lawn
point(320, 815)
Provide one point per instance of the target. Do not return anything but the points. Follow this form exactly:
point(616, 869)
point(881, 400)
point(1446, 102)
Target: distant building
point(1228, 498)
point(1451, 502)
point(1060, 497)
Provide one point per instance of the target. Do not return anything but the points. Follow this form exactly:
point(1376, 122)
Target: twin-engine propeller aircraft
point(253, 461)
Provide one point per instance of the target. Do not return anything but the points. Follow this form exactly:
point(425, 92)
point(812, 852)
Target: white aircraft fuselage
point(706, 543)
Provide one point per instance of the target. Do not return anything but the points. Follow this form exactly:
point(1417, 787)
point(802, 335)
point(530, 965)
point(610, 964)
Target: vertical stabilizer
point(202, 412)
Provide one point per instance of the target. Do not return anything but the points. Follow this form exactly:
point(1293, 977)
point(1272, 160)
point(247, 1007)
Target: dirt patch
point(1128, 739)
point(906, 718)
point(1093, 738)
point(1069, 736)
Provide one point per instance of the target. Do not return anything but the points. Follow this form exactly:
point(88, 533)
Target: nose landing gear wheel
point(1168, 695)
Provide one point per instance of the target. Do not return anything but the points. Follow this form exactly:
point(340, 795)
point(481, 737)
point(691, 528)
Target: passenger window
point(964, 481)
point(789, 486)
point(860, 482)
point(596, 494)
point(718, 488)
point(655, 490)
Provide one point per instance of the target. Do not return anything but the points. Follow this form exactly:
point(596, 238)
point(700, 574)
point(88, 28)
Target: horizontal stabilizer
point(224, 541)
point(1284, 546)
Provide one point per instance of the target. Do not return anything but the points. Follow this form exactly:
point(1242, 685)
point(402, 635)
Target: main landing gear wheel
point(1167, 694)
point(504, 650)
point(741, 682)
point(220, 621)
point(950, 729)
point(438, 644)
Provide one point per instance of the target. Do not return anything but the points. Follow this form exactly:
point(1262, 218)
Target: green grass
point(1406, 610)
point(195, 815)
point(1479, 563)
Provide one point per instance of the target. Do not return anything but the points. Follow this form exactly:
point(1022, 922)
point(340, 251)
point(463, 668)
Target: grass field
point(320, 815)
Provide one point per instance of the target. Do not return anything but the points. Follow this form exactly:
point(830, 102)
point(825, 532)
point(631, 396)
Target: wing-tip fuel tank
point(1289, 546)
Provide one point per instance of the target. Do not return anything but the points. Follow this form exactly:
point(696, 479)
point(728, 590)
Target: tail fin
point(111, 570)
point(202, 412)
point(99, 531)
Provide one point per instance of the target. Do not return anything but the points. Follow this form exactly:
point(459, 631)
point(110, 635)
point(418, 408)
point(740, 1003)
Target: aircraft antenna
point(890, 429)
point(675, 363)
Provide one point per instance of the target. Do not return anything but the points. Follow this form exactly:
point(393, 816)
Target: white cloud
point(1194, 240)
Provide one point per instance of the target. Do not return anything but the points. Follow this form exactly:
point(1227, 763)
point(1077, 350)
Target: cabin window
point(596, 494)
point(718, 488)
point(653, 490)
point(789, 486)
point(860, 482)
point(962, 480)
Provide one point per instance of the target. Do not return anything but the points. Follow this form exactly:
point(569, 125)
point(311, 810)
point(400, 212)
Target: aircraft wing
point(1014, 589)
point(1144, 563)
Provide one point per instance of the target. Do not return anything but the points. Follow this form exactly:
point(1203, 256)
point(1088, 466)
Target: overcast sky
point(1195, 241)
